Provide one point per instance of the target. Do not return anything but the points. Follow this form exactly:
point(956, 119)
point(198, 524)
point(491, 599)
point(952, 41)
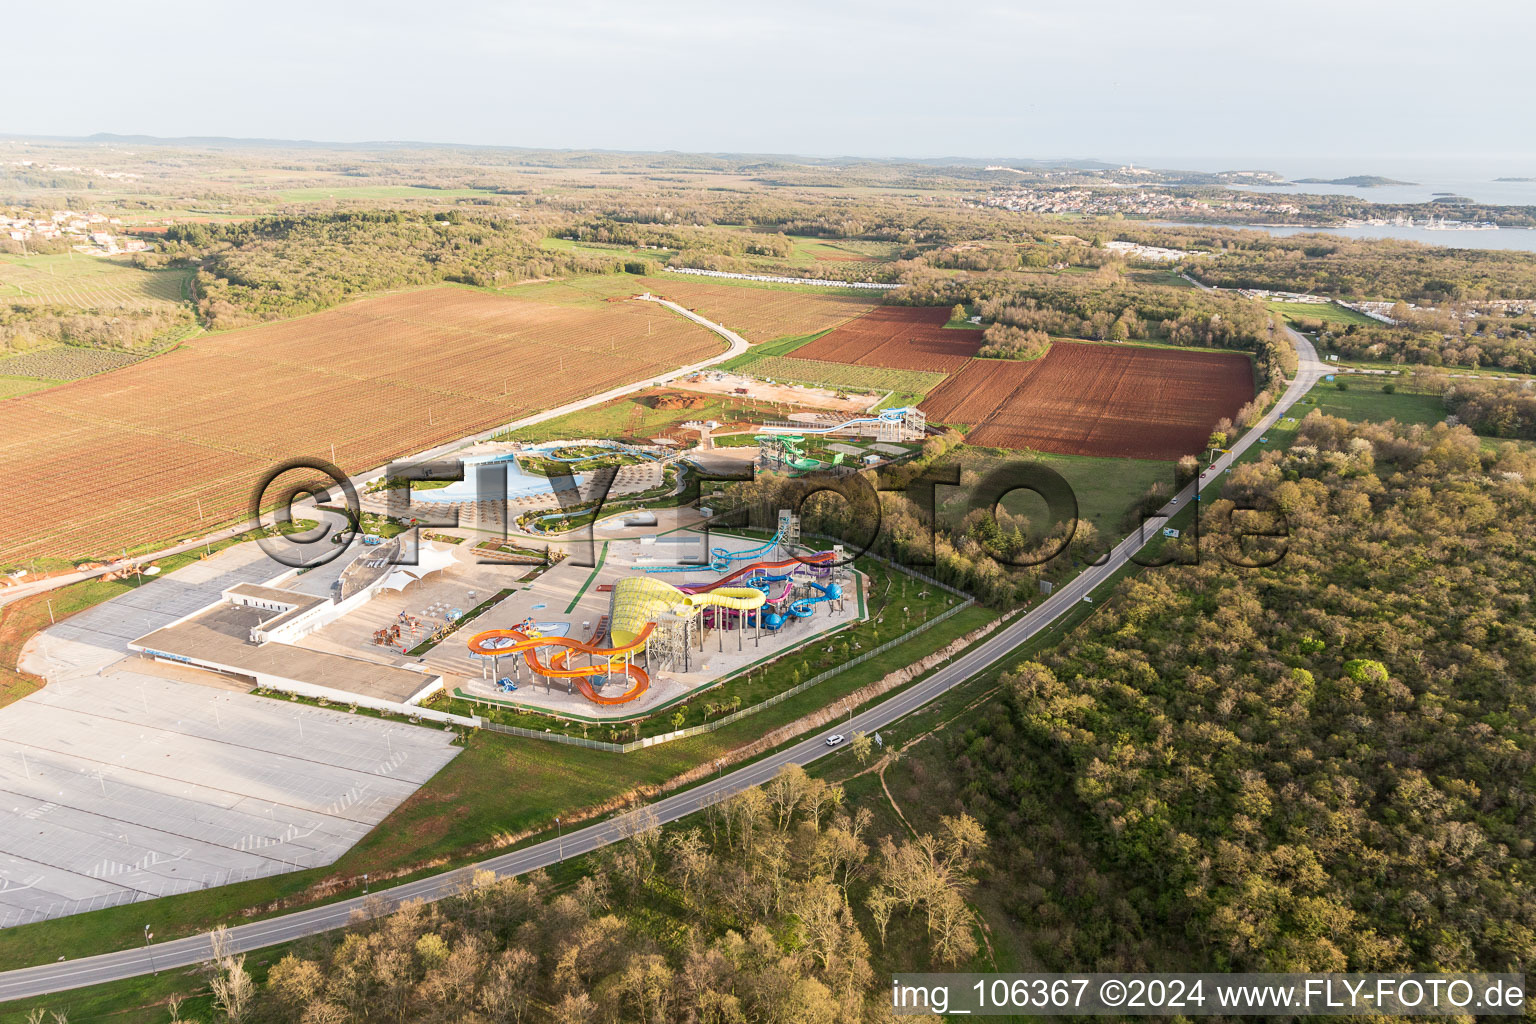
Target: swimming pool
point(520, 483)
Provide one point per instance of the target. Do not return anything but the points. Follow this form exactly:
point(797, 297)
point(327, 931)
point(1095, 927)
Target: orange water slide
point(559, 667)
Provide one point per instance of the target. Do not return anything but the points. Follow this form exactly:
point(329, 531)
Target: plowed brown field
point(898, 337)
point(171, 446)
point(1084, 399)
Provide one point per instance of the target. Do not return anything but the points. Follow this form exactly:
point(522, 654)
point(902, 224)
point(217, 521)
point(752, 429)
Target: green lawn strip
point(601, 558)
point(498, 786)
point(777, 347)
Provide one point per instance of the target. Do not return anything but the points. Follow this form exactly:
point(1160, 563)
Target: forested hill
point(1324, 765)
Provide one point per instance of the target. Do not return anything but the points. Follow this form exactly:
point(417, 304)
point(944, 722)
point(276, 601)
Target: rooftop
point(220, 635)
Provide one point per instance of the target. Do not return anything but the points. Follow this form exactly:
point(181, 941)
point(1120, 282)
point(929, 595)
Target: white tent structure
point(430, 558)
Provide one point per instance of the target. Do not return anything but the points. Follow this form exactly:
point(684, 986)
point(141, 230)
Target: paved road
point(737, 345)
point(41, 980)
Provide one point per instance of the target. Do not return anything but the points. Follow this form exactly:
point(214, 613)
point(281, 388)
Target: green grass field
point(821, 250)
point(846, 375)
point(1105, 488)
point(10, 387)
point(1365, 400)
point(361, 193)
point(605, 249)
point(87, 282)
point(1329, 313)
point(769, 349)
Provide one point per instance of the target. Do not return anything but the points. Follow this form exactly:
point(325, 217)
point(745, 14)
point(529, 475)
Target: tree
point(862, 746)
point(231, 984)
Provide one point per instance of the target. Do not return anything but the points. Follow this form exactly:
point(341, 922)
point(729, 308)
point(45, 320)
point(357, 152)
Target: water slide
point(883, 416)
point(803, 609)
point(720, 559)
point(762, 569)
point(559, 666)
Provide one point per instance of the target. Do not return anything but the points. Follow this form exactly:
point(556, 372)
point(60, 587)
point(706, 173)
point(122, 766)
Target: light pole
point(559, 840)
point(148, 935)
point(365, 883)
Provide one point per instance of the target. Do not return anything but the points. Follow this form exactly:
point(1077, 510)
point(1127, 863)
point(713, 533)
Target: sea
point(1476, 179)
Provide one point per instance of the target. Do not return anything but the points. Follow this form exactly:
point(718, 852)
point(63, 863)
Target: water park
point(781, 445)
point(531, 476)
point(658, 619)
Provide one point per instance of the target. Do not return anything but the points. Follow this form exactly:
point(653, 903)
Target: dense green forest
point(288, 266)
point(1497, 410)
point(1322, 765)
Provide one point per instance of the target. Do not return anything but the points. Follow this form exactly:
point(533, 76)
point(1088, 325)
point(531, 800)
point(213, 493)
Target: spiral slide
point(802, 608)
point(559, 666)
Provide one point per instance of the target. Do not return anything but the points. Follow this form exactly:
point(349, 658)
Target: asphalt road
point(56, 977)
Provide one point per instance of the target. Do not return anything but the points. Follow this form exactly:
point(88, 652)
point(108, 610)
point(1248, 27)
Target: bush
point(1342, 385)
point(1389, 389)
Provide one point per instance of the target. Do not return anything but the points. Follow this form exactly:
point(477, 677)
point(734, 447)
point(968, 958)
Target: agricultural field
point(1328, 312)
point(757, 312)
point(845, 375)
point(171, 446)
point(65, 362)
point(898, 337)
point(1089, 399)
point(761, 314)
point(87, 282)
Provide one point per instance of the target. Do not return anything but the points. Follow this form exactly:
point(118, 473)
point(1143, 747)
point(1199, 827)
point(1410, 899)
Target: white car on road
point(834, 739)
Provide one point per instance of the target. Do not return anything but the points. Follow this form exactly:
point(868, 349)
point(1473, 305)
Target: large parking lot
point(121, 781)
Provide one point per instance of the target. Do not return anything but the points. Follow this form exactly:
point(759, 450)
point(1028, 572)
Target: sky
point(1171, 83)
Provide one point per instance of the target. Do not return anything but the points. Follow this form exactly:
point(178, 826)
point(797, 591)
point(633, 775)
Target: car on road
point(834, 739)
point(1173, 501)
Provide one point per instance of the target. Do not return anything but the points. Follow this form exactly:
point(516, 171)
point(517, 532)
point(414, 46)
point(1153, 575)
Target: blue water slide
point(802, 608)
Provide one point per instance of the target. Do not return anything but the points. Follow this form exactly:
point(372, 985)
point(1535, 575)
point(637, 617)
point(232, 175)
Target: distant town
point(95, 230)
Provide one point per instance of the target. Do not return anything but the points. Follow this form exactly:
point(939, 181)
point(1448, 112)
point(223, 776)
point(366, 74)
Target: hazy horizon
point(1119, 81)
